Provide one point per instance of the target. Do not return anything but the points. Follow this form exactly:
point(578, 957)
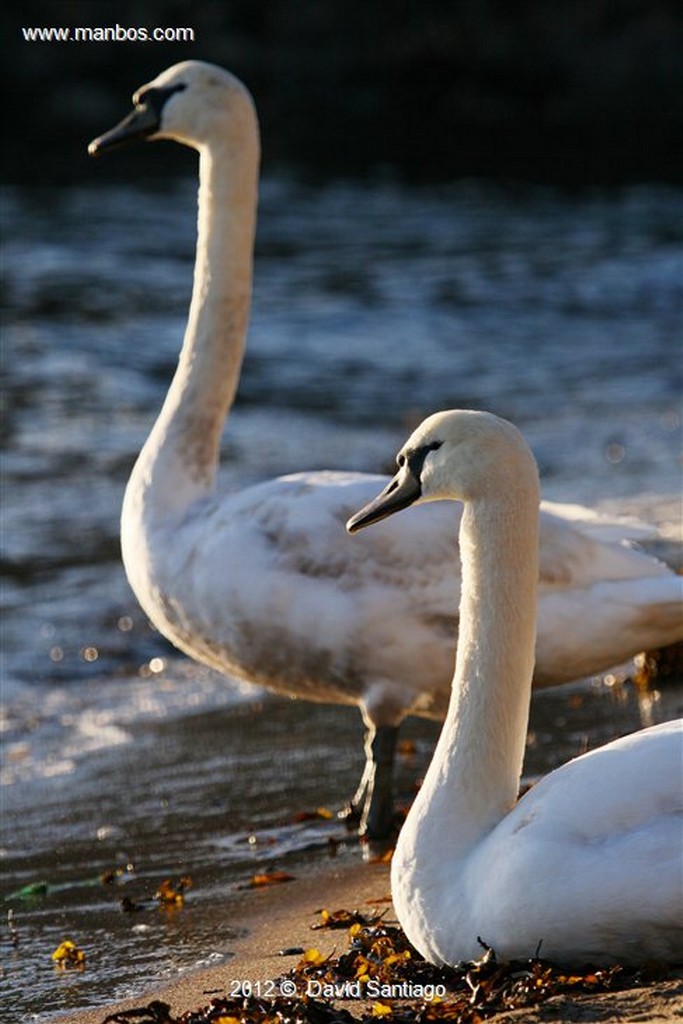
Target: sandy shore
point(280, 917)
point(273, 919)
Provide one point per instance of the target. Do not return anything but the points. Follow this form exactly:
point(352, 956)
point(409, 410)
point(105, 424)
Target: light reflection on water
point(374, 305)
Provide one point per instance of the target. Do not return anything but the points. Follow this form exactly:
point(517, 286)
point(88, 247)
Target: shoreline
point(281, 917)
point(274, 918)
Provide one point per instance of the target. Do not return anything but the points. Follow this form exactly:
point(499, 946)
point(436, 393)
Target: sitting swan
point(589, 863)
point(259, 583)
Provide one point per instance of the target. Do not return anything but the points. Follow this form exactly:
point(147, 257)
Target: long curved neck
point(178, 463)
point(473, 779)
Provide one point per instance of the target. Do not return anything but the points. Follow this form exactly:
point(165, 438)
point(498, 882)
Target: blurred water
point(374, 305)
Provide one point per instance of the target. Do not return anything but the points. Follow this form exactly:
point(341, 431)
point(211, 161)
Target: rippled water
point(374, 305)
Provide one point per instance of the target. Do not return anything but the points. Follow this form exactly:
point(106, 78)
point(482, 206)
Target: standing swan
point(589, 863)
point(260, 583)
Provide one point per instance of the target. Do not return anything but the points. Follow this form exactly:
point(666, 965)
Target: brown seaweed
point(371, 979)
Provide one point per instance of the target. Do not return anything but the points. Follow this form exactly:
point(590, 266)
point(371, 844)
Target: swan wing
point(265, 583)
point(599, 524)
point(282, 595)
point(575, 556)
point(591, 858)
point(600, 600)
point(585, 630)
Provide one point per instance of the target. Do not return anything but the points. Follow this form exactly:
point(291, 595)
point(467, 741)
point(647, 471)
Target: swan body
point(589, 863)
point(263, 583)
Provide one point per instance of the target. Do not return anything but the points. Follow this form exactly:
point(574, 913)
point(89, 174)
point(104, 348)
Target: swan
point(588, 865)
point(263, 583)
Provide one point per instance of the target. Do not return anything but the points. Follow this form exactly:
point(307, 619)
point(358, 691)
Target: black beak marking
point(416, 457)
point(400, 493)
point(156, 97)
point(144, 120)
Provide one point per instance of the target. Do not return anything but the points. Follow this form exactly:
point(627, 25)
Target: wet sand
point(272, 919)
point(280, 917)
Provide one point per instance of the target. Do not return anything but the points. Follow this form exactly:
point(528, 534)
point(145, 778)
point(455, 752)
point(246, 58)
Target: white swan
point(589, 863)
point(262, 584)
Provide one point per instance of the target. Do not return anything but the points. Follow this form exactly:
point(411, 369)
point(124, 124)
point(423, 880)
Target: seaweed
point(377, 977)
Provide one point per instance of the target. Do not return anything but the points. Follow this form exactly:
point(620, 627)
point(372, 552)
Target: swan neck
point(221, 293)
point(474, 777)
point(178, 464)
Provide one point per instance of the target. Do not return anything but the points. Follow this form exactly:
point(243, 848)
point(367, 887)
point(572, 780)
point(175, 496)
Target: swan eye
point(400, 460)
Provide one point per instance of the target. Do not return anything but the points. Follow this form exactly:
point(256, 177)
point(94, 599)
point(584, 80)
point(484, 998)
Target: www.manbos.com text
point(109, 34)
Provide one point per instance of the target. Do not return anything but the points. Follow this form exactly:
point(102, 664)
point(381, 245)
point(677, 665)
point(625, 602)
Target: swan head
point(461, 455)
point(193, 103)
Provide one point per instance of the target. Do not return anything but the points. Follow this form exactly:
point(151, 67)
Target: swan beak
point(401, 492)
point(141, 122)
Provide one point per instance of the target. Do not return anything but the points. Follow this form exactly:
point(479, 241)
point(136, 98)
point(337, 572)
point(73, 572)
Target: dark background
point(571, 92)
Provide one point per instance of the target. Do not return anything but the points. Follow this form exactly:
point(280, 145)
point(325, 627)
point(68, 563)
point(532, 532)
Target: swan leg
point(377, 819)
point(372, 805)
point(353, 812)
